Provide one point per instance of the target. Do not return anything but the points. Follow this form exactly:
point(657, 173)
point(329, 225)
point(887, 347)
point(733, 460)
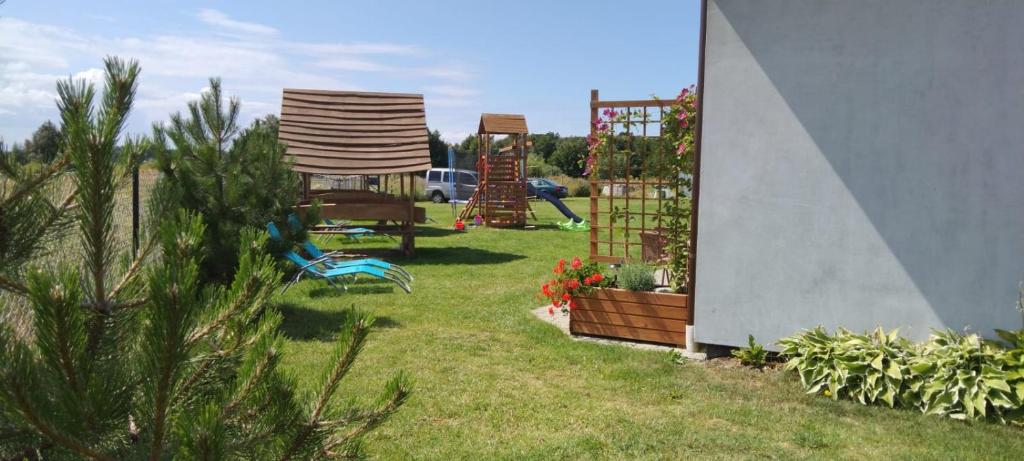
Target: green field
point(493, 382)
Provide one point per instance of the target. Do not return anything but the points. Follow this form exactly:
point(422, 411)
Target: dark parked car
point(551, 187)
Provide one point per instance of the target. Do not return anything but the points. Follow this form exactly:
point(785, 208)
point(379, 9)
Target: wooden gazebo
point(500, 197)
point(345, 134)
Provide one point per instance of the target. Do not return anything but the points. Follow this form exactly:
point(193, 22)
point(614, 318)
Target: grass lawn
point(492, 381)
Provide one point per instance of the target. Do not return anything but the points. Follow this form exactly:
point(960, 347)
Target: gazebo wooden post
point(408, 237)
point(306, 178)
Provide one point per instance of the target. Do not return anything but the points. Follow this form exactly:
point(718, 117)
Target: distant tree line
point(43, 146)
point(549, 155)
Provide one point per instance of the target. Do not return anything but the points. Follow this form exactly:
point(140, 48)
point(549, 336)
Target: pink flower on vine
point(684, 123)
point(610, 113)
point(682, 115)
point(681, 149)
point(682, 95)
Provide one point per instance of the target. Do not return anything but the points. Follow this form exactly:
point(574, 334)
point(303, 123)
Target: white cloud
point(354, 64)
point(217, 19)
point(92, 75)
point(255, 62)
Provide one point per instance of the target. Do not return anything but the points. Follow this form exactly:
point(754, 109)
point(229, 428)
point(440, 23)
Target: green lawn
point(492, 381)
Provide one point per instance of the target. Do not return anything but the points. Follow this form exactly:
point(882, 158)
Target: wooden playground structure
point(345, 134)
point(500, 197)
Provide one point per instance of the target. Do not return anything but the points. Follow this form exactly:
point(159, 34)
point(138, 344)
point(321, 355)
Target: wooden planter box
point(636, 315)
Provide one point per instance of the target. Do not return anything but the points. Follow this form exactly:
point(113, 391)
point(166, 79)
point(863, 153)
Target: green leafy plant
point(865, 367)
point(108, 361)
point(951, 374)
point(754, 355)
point(961, 376)
point(636, 277)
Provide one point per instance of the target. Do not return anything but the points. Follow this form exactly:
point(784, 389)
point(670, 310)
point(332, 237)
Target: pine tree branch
point(30, 186)
point(48, 431)
point(370, 419)
point(240, 302)
point(136, 266)
point(355, 332)
point(13, 286)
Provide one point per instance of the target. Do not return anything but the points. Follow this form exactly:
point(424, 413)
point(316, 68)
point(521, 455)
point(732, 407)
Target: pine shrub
point(233, 178)
point(143, 359)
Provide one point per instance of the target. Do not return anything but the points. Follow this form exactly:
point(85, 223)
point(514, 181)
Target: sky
point(538, 58)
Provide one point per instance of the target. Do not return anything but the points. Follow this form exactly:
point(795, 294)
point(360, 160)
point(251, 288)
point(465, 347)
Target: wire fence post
point(135, 212)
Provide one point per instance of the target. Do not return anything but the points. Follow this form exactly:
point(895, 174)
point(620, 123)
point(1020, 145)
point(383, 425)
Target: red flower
point(546, 290)
point(556, 303)
point(598, 277)
point(558, 269)
point(572, 304)
point(576, 263)
point(574, 284)
point(682, 95)
point(551, 311)
point(588, 281)
point(565, 296)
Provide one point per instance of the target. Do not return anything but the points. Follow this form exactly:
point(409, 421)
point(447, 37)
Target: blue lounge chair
point(341, 228)
point(338, 275)
point(331, 260)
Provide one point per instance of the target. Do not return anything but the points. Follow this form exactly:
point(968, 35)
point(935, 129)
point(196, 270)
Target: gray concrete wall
point(863, 165)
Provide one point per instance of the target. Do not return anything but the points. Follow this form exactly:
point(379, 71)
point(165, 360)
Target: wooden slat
point(301, 152)
point(364, 131)
point(634, 103)
point(642, 297)
point(361, 171)
point(370, 95)
point(345, 114)
point(648, 310)
point(353, 140)
point(369, 151)
point(350, 124)
point(642, 334)
point(358, 105)
point(356, 108)
point(362, 163)
point(626, 320)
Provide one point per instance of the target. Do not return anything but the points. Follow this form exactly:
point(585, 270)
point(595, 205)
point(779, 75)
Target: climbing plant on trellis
point(640, 168)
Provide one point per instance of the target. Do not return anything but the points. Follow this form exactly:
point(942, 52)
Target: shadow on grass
point(460, 255)
point(327, 291)
point(434, 231)
point(304, 324)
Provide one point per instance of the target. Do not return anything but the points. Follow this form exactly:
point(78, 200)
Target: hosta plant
point(961, 376)
point(951, 374)
point(863, 367)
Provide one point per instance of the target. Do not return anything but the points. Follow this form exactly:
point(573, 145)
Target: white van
point(438, 184)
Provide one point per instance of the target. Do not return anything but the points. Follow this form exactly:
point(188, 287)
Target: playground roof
point(503, 124)
point(348, 132)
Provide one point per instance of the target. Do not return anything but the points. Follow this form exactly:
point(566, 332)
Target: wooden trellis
point(630, 182)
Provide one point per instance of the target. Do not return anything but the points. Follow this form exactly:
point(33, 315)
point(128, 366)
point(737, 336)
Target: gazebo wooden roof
point(503, 124)
point(348, 132)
